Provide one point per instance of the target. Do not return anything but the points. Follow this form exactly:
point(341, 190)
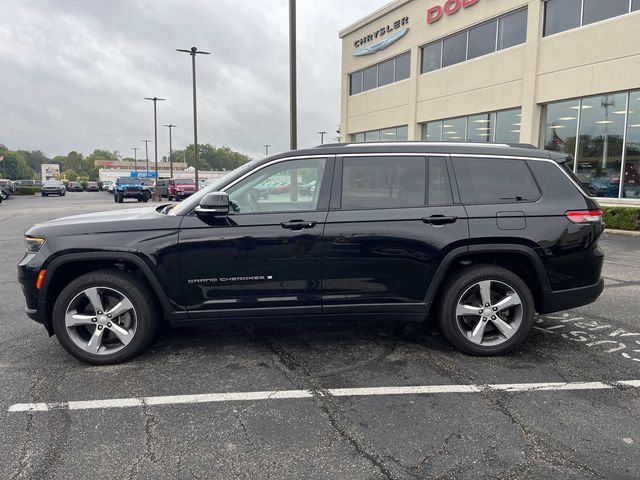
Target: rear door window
point(383, 182)
point(493, 180)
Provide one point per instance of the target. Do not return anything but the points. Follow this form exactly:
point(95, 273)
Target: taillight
point(585, 216)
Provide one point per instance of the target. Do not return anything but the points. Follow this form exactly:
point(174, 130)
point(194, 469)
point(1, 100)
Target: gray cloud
point(73, 73)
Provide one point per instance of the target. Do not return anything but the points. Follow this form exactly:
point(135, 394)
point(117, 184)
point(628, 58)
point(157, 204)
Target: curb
point(628, 233)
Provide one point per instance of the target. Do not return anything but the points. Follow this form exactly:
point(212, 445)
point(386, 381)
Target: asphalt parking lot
point(286, 400)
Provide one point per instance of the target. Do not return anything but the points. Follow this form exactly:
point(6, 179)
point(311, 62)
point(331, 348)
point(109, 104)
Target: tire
point(115, 198)
point(110, 284)
point(464, 289)
point(170, 198)
point(139, 200)
point(120, 199)
point(44, 195)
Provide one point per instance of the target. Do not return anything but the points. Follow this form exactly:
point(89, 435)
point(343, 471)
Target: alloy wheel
point(101, 320)
point(489, 313)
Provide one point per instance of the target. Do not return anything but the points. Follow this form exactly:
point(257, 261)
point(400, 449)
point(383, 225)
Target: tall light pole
point(146, 149)
point(170, 127)
point(155, 126)
point(322, 134)
point(293, 83)
point(266, 149)
point(193, 51)
point(135, 158)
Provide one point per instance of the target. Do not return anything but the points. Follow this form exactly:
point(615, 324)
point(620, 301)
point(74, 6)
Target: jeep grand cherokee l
point(476, 236)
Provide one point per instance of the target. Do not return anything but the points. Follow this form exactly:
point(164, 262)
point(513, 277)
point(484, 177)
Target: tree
point(15, 166)
point(70, 175)
point(212, 158)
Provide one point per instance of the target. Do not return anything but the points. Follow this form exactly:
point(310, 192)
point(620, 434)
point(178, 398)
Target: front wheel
point(486, 310)
point(105, 317)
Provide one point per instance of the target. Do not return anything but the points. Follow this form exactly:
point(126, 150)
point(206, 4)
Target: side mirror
point(216, 204)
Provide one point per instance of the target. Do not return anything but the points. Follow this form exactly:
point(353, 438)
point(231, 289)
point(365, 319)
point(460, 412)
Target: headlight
point(33, 244)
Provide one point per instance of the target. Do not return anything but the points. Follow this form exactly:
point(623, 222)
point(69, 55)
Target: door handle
point(439, 220)
point(298, 224)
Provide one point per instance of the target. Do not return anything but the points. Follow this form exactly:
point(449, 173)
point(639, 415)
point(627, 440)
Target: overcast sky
point(73, 73)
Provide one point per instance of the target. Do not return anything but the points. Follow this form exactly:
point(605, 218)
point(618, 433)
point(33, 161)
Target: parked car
point(130, 187)
point(93, 187)
point(25, 183)
point(53, 187)
point(7, 187)
point(477, 237)
point(75, 187)
point(106, 185)
point(180, 188)
point(111, 187)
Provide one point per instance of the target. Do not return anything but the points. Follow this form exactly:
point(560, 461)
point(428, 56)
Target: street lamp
point(135, 158)
point(146, 149)
point(293, 83)
point(266, 149)
point(193, 51)
point(170, 127)
point(155, 126)
point(322, 134)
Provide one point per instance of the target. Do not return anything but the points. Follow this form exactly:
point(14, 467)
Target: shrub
point(622, 218)
point(27, 190)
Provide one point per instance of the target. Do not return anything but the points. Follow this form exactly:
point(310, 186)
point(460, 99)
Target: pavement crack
point(26, 449)
point(149, 454)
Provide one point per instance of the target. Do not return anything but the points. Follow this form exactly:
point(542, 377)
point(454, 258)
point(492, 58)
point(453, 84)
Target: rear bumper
point(575, 297)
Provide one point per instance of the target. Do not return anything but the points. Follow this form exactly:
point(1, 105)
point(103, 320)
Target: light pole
point(322, 134)
point(155, 126)
point(266, 149)
point(193, 51)
point(293, 83)
point(146, 149)
point(135, 158)
point(170, 127)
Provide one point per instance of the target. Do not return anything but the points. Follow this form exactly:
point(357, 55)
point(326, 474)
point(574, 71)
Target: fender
point(458, 253)
point(168, 311)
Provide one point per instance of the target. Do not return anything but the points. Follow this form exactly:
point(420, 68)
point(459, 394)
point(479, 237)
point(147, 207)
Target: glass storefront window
point(597, 10)
point(631, 185)
point(561, 15)
point(356, 82)
point(600, 145)
point(508, 126)
point(481, 127)
point(370, 78)
point(386, 72)
point(560, 126)
point(512, 29)
point(432, 131)
point(394, 134)
point(403, 67)
point(432, 57)
point(454, 49)
point(454, 130)
point(482, 39)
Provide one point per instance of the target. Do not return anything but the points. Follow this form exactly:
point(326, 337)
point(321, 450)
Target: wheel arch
point(71, 266)
point(520, 259)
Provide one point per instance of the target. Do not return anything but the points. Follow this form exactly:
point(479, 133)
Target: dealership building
point(559, 74)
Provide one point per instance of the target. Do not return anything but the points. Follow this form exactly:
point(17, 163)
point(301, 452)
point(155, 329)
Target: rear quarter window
point(493, 180)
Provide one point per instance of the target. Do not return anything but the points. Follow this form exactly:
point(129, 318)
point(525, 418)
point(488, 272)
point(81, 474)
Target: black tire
point(115, 198)
point(136, 291)
point(139, 200)
point(120, 199)
point(170, 198)
point(44, 194)
point(459, 284)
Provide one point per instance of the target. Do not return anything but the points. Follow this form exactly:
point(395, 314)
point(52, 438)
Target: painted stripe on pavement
point(296, 394)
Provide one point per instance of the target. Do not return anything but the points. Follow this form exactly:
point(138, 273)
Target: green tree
point(15, 166)
point(70, 175)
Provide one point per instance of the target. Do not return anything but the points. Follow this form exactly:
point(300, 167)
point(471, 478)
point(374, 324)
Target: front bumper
point(572, 298)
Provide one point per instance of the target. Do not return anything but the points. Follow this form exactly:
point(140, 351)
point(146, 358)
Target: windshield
point(185, 182)
point(51, 184)
point(128, 181)
point(190, 203)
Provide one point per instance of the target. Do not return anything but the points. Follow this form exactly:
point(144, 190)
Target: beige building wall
point(595, 59)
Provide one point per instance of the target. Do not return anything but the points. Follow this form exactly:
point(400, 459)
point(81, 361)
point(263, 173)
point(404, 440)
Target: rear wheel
point(120, 198)
point(486, 310)
point(105, 317)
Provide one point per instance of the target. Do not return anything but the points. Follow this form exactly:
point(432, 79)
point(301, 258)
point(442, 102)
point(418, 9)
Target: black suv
point(477, 236)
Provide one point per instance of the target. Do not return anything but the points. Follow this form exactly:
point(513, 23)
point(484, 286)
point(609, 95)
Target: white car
point(106, 186)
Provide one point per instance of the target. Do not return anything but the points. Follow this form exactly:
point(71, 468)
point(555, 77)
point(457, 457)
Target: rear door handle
point(298, 224)
point(439, 220)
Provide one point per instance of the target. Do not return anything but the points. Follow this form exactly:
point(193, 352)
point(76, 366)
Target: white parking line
point(294, 394)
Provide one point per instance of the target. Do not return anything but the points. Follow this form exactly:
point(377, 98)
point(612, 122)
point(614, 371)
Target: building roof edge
point(372, 16)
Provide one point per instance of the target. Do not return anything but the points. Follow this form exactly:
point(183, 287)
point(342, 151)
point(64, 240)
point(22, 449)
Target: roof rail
point(430, 144)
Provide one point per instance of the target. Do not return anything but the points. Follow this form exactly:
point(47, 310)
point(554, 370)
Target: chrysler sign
point(449, 8)
point(381, 38)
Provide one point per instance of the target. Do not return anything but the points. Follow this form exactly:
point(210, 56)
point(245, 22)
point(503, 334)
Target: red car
point(180, 188)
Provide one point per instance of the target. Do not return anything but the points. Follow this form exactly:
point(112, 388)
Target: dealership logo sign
point(449, 8)
point(386, 36)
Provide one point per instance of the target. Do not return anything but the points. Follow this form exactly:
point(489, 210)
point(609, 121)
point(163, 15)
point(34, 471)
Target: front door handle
point(439, 220)
point(298, 224)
